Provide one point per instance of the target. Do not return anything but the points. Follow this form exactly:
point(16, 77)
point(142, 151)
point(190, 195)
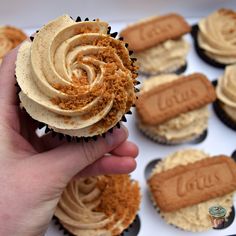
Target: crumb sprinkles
point(115, 83)
point(120, 199)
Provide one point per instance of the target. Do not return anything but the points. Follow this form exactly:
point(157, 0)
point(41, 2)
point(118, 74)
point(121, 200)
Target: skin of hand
point(34, 171)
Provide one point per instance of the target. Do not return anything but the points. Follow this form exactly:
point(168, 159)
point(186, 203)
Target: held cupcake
point(215, 38)
point(173, 109)
point(225, 106)
point(76, 78)
point(10, 37)
point(158, 44)
point(103, 205)
point(187, 183)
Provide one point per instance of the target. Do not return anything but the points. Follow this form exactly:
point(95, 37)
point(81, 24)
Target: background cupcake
point(158, 44)
point(193, 218)
point(225, 106)
point(215, 38)
point(10, 37)
point(160, 122)
point(76, 78)
point(103, 205)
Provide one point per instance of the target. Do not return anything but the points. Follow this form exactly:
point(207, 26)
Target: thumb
point(69, 159)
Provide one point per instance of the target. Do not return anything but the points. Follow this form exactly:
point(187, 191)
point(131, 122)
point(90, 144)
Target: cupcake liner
point(233, 155)
point(160, 140)
point(149, 167)
point(201, 52)
point(132, 230)
point(178, 71)
point(221, 114)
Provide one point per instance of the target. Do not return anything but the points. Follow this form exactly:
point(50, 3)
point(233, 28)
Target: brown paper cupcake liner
point(201, 52)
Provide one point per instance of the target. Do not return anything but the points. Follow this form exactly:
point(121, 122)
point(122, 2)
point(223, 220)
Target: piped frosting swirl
point(226, 91)
point(104, 205)
point(217, 36)
point(75, 77)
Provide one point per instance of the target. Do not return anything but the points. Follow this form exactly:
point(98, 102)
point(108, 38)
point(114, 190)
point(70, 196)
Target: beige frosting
point(99, 206)
point(179, 129)
point(10, 37)
point(217, 36)
point(226, 91)
point(163, 58)
point(194, 218)
point(75, 78)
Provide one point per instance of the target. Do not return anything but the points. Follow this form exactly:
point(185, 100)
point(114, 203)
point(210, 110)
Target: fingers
point(7, 78)
point(126, 149)
point(70, 158)
point(109, 165)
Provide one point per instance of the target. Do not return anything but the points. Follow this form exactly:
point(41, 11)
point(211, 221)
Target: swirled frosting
point(193, 218)
point(166, 57)
point(217, 36)
point(75, 77)
point(10, 37)
point(99, 206)
point(185, 127)
point(226, 91)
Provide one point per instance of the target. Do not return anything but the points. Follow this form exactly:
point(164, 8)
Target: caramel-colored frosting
point(163, 58)
point(75, 77)
point(217, 34)
point(181, 128)
point(99, 206)
point(226, 91)
point(194, 218)
point(10, 37)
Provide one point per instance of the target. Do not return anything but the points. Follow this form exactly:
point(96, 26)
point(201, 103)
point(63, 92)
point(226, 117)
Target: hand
point(34, 171)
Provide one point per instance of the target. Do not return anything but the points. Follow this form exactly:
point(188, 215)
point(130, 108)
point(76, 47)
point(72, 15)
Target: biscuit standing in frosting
point(173, 109)
point(10, 37)
point(158, 44)
point(75, 77)
point(216, 37)
point(184, 196)
point(225, 106)
point(99, 206)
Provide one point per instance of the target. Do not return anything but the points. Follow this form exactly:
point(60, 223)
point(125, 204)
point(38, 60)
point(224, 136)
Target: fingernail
point(117, 136)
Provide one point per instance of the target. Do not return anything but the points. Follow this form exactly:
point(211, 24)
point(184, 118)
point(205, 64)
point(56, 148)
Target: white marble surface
point(220, 140)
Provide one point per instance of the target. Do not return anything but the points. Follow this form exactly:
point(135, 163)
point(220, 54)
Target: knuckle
point(91, 151)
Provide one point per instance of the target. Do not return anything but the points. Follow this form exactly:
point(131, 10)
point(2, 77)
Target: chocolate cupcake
point(225, 106)
point(10, 37)
point(158, 44)
point(76, 78)
point(195, 182)
point(215, 38)
point(173, 109)
point(103, 205)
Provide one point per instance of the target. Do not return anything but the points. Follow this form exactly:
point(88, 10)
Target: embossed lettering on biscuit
point(191, 184)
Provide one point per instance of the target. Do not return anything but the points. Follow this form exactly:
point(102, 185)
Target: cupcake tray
point(219, 139)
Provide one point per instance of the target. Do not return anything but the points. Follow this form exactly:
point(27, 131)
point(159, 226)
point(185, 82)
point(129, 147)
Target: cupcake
point(215, 38)
point(102, 205)
point(225, 106)
point(75, 77)
point(185, 184)
point(158, 44)
point(10, 37)
point(173, 109)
